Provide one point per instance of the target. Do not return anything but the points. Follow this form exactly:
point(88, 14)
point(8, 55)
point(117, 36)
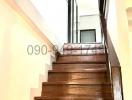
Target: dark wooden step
point(74, 97)
point(81, 59)
point(61, 89)
point(80, 71)
point(75, 46)
point(77, 84)
point(84, 52)
point(80, 81)
point(78, 66)
point(93, 76)
point(78, 77)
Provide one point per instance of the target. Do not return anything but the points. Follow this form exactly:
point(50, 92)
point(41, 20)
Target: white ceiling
point(87, 7)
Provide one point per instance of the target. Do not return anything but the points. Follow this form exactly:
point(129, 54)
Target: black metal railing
point(72, 21)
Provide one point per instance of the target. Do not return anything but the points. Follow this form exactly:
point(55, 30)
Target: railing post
point(72, 21)
point(69, 21)
point(72, 34)
point(77, 23)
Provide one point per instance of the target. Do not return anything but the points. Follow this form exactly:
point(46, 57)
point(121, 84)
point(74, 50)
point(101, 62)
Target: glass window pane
point(88, 36)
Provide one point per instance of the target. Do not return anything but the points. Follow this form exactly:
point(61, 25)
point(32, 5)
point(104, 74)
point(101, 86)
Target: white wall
point(88, 7)
point(91, 22)
point(54, 14)
point(21, 75)
point(129, 16)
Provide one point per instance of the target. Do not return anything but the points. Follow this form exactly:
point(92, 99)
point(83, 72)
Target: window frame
point(94, 30)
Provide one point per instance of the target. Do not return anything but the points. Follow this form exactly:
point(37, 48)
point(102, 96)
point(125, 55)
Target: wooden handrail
point(104, 34)
point(113, 72)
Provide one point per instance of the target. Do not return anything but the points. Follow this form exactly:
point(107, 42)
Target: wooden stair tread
point(78, 77)
point(81, 71)
point(75, 97)
point(75, 89)
point(75, 83)
point(78, 66)
point(91, 81)
point(66, 55)
point(82, 62)
point(56, 76)
point(81, 59)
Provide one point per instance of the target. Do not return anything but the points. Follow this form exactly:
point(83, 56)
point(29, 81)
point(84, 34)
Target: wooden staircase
point(80, 73)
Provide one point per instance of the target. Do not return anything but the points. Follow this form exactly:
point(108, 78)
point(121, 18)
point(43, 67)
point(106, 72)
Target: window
point(87, 36)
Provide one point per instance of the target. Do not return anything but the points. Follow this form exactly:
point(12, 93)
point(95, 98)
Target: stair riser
point(86, 77)
point(61, 90)
point(82, 46)
point(83, 52)
point(82, 59)
point(78, 66)
point(78, 98)
point(80, 81)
